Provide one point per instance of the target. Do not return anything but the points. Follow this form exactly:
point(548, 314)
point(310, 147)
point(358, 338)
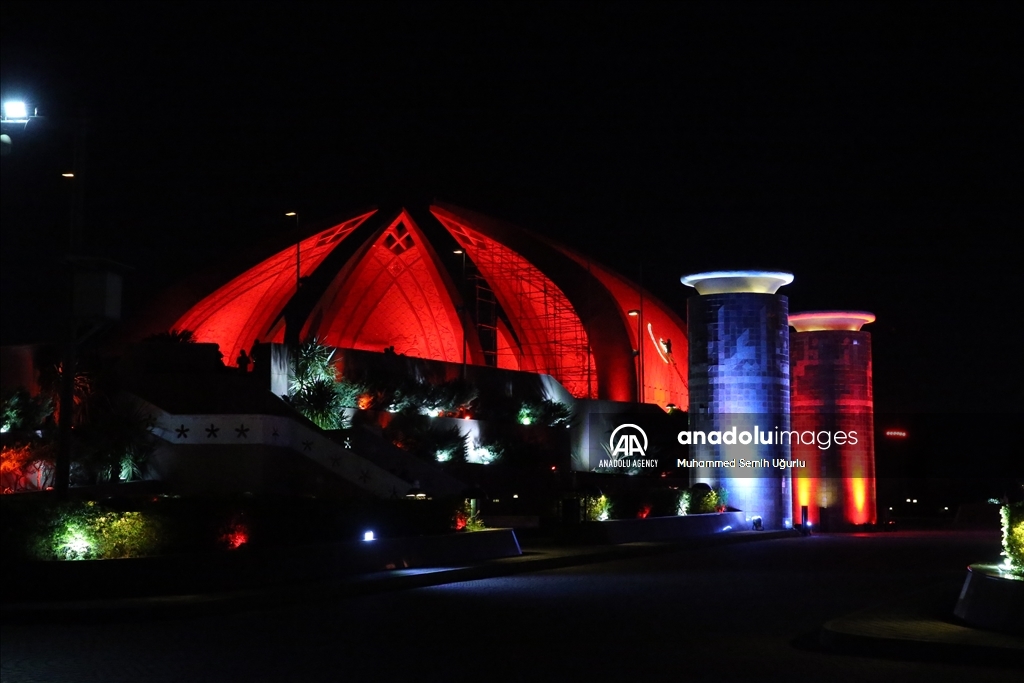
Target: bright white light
point(945, 508)
point(915, 500)
point(908, 500)
point(526, 420)
point(737, 281)
point(515, 495)
point(5, 428)
point(368, 536)
point(15, 110)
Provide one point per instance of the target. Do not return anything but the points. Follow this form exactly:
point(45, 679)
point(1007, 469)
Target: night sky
point(871, 149)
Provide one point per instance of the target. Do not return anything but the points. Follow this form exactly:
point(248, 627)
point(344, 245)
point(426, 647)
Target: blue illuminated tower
point(739, 377)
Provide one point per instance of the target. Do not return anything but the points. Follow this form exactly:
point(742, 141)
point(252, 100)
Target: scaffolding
point(486, 319)
point(551, 336)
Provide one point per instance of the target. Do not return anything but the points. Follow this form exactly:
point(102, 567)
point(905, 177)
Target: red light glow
point(236, 536)
point(831, 390)
point(247, 307)
point(395, 294)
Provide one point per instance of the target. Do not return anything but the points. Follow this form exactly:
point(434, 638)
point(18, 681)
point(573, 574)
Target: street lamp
point(14, 117)
point(298, 271)
point(634, 313)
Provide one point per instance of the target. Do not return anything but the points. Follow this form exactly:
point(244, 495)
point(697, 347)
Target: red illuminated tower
point(830, 362)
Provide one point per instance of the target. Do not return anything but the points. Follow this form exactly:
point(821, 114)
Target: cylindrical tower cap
point(737, 281)
point(816, 321)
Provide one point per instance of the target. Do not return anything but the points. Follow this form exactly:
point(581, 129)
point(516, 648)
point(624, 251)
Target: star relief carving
point(182, 432)
point(242, 431)
point(211, 431)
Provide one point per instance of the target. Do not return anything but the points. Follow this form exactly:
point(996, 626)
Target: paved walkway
point(922, 625)
point(918, 626)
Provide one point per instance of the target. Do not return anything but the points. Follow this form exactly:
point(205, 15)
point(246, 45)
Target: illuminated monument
point(739, 377)
point(831, 385)
point(509, 299)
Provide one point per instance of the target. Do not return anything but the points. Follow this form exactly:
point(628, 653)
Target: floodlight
point(15, 109)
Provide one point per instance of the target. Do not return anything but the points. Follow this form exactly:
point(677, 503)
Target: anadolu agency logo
point(627, 447)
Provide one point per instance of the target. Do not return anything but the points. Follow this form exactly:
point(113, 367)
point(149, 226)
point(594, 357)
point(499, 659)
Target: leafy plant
point(172, 337)
point(350, 392)
point(322, 403)
point(448, 444)
point(546, 413)
point(1013, 537)
point(51, 378)
point(21, 410)
point(702, 499)
point(27, 466)
point(88, 531)
point(683, 503)
point(118, 439)
point(485, 452)
point(597, 508)
point(467, 518)
point(313, 364)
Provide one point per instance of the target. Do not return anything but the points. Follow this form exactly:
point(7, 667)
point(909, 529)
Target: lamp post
point(16, 116)
point(298, 260)
point(464, 313)
point(635, 313)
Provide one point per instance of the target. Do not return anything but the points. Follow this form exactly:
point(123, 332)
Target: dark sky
point(872, 149)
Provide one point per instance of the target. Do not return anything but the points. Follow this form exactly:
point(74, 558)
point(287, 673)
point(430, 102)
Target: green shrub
point(322, 403)
point(21, 410)
point(597, 508)
point(683, 502)
point(467, 518)
point(546, 413)
point(89, 531)
point(1013, 537)
point(314, 364)
point(702, 499)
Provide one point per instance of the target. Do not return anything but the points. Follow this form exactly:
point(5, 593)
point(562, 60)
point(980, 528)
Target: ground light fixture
point(368, 536)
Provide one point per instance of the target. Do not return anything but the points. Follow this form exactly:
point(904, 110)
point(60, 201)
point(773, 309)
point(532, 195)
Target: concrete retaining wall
point(664, 528)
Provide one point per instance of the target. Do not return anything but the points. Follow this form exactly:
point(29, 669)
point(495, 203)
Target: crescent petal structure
point(377, 281)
